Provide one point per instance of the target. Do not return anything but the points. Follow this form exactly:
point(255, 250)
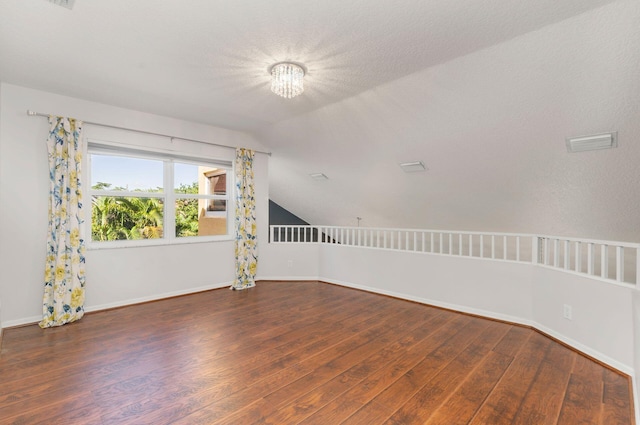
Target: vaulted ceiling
point(484, 93)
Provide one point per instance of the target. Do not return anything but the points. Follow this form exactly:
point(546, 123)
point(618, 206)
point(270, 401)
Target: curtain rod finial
point(30, 112)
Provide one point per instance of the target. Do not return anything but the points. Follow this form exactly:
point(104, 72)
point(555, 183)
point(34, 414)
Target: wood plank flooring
point(299, 353)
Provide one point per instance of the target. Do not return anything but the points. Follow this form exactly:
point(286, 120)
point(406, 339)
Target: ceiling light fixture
point(286, 79)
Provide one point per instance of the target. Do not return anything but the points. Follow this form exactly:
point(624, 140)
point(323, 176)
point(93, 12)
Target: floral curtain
point(64, 280)
point(246, 230)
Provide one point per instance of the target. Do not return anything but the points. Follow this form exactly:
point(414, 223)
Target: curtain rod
point(39, 114)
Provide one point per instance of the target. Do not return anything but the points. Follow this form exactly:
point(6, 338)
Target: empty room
point(323, 212)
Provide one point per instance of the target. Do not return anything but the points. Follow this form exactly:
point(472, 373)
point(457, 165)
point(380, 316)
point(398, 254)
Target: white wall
point(497, 289)
point(289, 262)
point(636, 346)
point(114, 276)
point(0, 207)
point(602, 324)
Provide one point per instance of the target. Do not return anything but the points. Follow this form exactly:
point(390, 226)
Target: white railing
point(605, 260)
point(608, 260)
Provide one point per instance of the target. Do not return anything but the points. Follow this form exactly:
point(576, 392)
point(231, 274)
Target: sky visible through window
point(137, 173)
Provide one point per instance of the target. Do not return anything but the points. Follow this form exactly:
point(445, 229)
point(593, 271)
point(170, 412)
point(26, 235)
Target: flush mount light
point(412, 167)
point(287, 79)
point(64, 3)
point(592, 143)
point(318, 176)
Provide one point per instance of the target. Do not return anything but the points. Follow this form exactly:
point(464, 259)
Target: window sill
point(95, 246)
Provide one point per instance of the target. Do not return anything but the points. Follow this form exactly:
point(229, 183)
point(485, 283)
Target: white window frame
point(169, 158)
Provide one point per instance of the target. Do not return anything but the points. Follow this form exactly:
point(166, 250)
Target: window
point(145, 196)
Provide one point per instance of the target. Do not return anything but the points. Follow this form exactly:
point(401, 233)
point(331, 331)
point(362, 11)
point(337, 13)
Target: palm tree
point(116, 218)
point(105, 225)
point(133, 217)
point(146, 216)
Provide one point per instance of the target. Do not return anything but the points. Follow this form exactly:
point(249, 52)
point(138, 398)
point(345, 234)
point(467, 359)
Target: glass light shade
point(287, 79)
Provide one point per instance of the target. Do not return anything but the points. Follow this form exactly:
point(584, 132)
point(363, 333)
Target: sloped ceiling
point(491, 128)
point(483, 92)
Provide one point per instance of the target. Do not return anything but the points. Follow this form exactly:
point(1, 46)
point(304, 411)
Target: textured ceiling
point(208, 60)
point(491, 128)
point(484, 92)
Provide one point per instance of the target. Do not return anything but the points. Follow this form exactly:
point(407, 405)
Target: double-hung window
point(146, 197)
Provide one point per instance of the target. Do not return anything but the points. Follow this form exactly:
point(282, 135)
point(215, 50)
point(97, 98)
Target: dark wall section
point(280, 216)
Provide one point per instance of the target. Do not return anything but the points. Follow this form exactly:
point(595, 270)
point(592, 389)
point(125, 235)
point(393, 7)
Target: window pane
point(185, 178)
point(199, 179)
point(125, 173)
point(186, 217)
point(118, 218)
point(192, 219)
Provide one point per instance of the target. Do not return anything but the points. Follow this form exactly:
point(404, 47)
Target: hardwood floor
point(308, 353)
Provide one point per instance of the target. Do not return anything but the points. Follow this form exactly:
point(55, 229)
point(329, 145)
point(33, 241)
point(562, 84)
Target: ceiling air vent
point(412, 167)
point(592, 143)
point(64, 3)
point(318, 176)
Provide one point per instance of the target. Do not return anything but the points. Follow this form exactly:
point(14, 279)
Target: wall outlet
point(568, 312)
point(290, 263)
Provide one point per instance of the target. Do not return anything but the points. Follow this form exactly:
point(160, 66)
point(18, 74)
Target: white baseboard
point(586, 350)
point(36, 319)
point(289, 278)
point(435, 303)
point(30, 320)
point(626, 369)
point(156, 297)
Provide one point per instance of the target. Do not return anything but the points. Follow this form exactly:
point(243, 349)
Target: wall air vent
point(592, 143)
point(64, 3)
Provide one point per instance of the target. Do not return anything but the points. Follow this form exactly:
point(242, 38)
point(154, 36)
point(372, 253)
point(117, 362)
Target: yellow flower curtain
point(63, 300)
point(246, 229)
